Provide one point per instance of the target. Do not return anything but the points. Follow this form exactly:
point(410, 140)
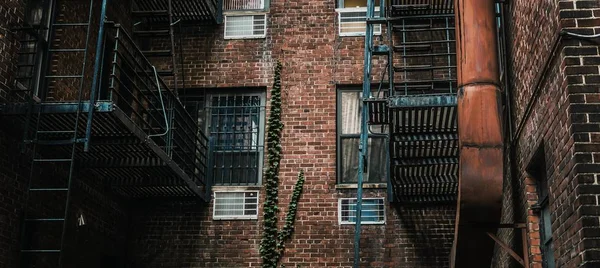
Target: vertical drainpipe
point(480, 134)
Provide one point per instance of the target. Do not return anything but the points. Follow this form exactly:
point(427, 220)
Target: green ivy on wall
point(273, 241)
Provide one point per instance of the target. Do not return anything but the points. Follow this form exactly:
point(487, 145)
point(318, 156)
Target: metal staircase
point(54, 147)
point(417, 103)
point(90, 102)
point(152, 23)
point(419, 106)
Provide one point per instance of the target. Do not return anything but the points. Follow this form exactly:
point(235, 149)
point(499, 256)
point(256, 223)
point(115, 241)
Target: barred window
point(235, 122)
point(372, 211)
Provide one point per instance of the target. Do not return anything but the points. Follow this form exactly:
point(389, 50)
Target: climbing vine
point(272, 243)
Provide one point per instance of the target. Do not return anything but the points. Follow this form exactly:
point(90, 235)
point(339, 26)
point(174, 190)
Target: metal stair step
point(53, 160)
point(157, 53)
point(45, 219)
point(56, 142)
point(413, 7)
point(40, 250)
point(152, 33)
point(424, 67)
point(48, 189)
point(411, 47)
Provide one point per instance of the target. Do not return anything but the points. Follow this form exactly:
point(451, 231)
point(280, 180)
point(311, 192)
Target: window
point(349, 115)
point(31, 54)
point(235, 205)
point(245, 26)
point(352, 15)
point(537, 169)
point(235, 122)
point(372, 212)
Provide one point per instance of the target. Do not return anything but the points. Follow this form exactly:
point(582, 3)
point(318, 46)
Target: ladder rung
point(45, 219)
point(152, 33)
point(71, 24)
point(52, 160)
point(64, 76)
point(414, 68)
point(66, 50)
point(412, 48)
point(411, 26)
point(40, 250)
point(410, 7)
point(428, 55)
point(149, 13)
point(48, 189)
point(165, 72)
point(55, 131)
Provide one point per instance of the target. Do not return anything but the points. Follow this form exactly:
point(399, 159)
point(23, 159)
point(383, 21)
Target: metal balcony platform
point(131, 163)
point(423, 147)
point(185, 10)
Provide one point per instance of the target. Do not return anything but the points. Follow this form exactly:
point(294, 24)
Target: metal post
point(95, 78)
point(364, 133)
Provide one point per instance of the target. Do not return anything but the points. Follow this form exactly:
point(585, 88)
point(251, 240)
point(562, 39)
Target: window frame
point(341, 221)
point(252, 36)
point(235, 217)
point(340, 136)
point(260, 147)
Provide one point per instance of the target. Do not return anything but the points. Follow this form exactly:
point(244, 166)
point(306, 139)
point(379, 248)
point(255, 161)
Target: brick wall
point(554, 109)
point(11, 15)
point(577, 224)
point(303, 35)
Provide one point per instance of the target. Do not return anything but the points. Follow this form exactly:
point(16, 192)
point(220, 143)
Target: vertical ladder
point(54, 141)
point(370, 50)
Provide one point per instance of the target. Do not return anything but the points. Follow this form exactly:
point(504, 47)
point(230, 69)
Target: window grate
point(236, 125)
point(229, 5)
point(247, 26)
point(373, 211)
point(235, 205)
point(352, 21)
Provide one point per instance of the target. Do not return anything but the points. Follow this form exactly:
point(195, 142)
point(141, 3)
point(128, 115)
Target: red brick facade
point(553, 84)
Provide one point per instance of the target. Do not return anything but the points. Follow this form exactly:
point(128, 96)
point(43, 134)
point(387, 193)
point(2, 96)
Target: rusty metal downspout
point(480, 134)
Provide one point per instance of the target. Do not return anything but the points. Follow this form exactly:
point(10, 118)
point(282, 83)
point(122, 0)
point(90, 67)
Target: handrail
point(162, 103)
point(141, 93)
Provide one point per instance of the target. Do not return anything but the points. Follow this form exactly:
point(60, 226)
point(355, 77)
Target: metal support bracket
point(524, 261)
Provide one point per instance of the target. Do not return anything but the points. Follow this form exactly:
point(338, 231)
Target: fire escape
point(417, 102)
point(93, 98)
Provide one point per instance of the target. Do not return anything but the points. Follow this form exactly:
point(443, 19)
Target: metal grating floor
point(186, 10)
point(421, 7)
point(423, 148)
point(127, 162)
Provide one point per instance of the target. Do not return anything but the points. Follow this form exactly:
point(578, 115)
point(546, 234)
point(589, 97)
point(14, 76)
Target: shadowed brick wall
point(555, 91)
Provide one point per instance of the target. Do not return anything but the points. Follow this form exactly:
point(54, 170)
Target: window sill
point(245, 12)
point(365, 186)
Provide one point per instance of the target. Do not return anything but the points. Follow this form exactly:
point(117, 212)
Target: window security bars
point(373, 211)
point(236, 124)
point(235, 205)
